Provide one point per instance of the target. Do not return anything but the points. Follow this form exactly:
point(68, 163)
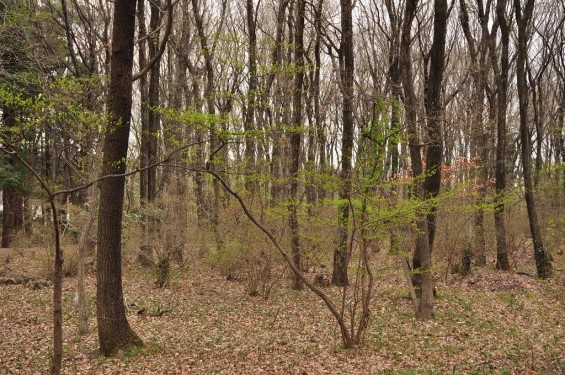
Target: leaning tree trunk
point(114, 331)
point(543, 263)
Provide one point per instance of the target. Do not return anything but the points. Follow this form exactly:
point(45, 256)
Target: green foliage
point(11, 175)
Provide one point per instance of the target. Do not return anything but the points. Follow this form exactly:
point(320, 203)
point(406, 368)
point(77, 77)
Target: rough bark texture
point(251, 94)
point(114, 331)
point(543, 263)
point(410, 116)
point(320, 129)
point(346, 61)
point(57, 359)
point(295, 139)
point(502, 261)
point(434, 153)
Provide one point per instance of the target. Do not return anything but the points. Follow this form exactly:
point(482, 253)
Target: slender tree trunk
point(83, 249)
point(57, 294)
point(320, 129)
point(210, 102)
point(114, 331)
point(249, 124)
point(12, 197)
point(477, 54)
point(395, 88)
point(543, 263)
point(502, 261)
point(434, 154)
point(276, 59)
point(410, 115)
point(341, 254)
point(295, 140)
point(149, 133)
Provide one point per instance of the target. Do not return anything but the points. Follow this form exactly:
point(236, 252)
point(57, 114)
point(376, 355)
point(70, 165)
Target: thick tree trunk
point(341, 253)
point(543, 264)
point(114, 331)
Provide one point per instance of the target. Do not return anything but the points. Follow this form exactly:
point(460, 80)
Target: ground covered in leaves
point(488, 322)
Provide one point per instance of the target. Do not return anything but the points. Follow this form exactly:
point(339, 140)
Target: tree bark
point(543, 264)
point(114, 331)
point(249, 125)
point(346, 62)
point(434, 153)
point(414, 147)
point(502, 261)
point(295, 140)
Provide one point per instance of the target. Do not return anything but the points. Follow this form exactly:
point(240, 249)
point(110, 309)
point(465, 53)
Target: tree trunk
point(12, 197)
point(434, 154)
point(114, 331)
point(295, 139)
point(320, 129)
point(543, 264)
point(249, 126)
point(410, 114)
point(346, 61)
point(479, 140)
point(502, 261)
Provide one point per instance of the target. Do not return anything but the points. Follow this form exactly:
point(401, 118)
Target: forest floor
point(488, 322)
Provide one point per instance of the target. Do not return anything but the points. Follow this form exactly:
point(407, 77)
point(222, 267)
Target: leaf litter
point(488, 322)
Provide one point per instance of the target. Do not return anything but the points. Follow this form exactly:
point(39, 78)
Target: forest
point(282, 186)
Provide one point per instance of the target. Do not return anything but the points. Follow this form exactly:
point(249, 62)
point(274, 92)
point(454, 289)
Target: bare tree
point(523, 18)
point(114, 331)
point(347, 67)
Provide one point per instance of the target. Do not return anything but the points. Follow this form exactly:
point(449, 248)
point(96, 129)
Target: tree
point(411, 116)
point(295, 138)
point(502, 261)
point(250, 145)
point(434, 154)
point(523, 18)
point(114, 331)
point(346, 67)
